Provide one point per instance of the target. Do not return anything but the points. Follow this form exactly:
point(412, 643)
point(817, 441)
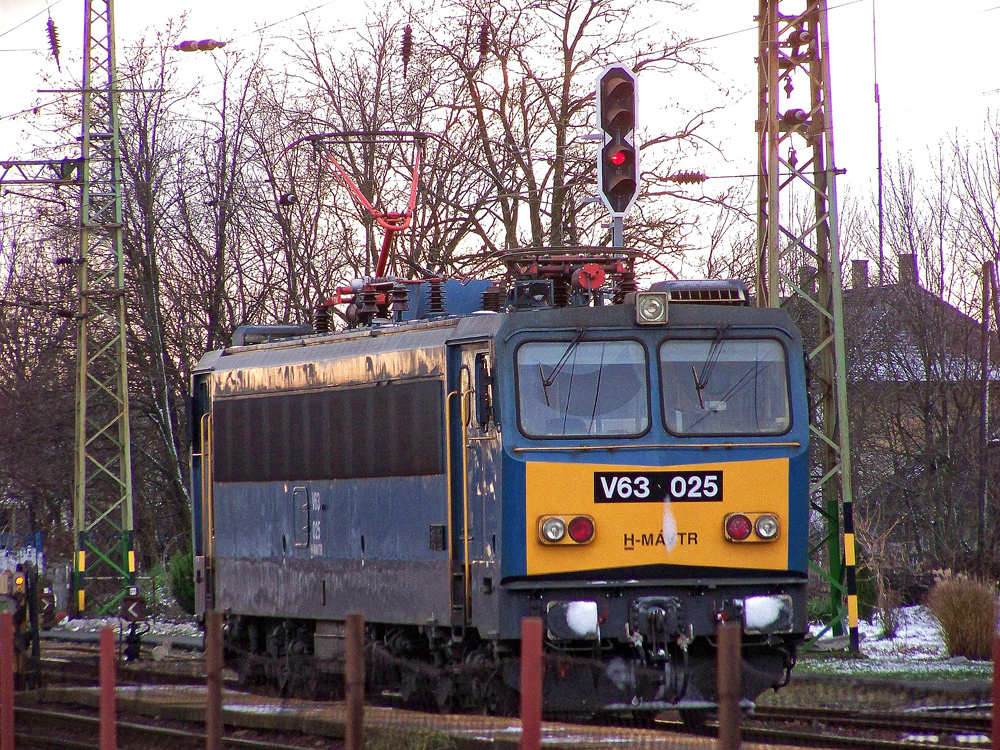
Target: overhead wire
point(48, 7)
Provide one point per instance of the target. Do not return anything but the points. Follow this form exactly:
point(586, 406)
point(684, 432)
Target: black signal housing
point(618, 159)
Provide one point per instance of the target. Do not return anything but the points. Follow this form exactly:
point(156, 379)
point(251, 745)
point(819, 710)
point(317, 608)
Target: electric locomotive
point(630, 466)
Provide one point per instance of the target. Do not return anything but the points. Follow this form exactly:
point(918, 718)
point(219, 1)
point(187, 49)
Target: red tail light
point(738, 527)
point(581, 529)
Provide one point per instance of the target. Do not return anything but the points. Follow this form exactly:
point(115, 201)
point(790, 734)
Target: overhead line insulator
point(407, 47)
point(205, 45)
point(53, 41)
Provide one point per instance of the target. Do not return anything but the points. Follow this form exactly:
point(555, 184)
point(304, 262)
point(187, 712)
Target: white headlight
point(767, 527)
point(553, 529)
point(651, 307)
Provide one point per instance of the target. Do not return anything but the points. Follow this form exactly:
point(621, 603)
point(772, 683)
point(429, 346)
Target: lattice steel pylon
point(104, 559)
point(795, 113)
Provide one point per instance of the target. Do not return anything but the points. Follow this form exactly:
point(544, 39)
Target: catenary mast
point(104, 560)
point(798, 255)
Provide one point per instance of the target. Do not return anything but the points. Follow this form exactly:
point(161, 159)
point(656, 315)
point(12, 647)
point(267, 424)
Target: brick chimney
point(859, 274)
point(908, 270)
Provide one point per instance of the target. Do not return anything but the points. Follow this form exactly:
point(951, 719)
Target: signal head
point(617, 162)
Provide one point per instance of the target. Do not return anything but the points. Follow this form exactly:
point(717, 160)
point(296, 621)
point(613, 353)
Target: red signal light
point(581, 529)
point(738, 527)
point(618, 158)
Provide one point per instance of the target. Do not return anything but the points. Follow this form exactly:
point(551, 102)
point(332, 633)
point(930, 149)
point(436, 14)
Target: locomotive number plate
point(657, 486)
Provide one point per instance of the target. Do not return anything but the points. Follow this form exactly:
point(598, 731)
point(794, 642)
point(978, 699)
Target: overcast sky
point(936, 71)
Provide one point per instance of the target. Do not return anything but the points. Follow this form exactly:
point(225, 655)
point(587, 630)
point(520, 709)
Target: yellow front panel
point(632, 533)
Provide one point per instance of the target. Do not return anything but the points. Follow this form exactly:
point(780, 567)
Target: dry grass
point(967, 611)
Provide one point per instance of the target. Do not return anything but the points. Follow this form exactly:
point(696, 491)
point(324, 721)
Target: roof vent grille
point(707, 292)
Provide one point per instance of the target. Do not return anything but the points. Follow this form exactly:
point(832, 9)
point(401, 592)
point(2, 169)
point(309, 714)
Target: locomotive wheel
point(500, 698)
point(249, 671)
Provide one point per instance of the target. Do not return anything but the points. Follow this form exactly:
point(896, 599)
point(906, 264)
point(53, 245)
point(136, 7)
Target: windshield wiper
point(558, 367)
point(701, 380)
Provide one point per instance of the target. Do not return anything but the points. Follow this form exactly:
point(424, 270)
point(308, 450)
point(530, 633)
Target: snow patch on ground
point(918, 645)
point(157, 627)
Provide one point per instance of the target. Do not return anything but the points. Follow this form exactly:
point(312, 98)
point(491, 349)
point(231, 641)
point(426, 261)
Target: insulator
point(407, 48)
point(54, 41)
point(793, 117)
point(435, 297)
point(688, 178)
point(484, 40)
point(493, 298)
point(799, 37)
point(369, 305)
point(205, 45)
point(322, 318)
point(560, 292)
point(626, 284)
point(399, 298)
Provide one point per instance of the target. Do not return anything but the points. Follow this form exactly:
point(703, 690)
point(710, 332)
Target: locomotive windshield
point(724, 387)
point(582, 388)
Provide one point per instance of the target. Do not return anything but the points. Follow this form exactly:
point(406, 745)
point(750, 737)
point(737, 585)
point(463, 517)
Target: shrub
point(867, 590)
point(967, 611)
point(151, 587)
point(818, 609)
point(180, 573)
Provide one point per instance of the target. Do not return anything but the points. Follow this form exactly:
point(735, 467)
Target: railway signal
point(618, 159)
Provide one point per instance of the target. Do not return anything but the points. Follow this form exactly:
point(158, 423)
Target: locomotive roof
point(418, 349)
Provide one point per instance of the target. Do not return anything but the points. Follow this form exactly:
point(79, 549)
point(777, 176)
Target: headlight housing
point(651, 308)
point(566, 529)
point(758, 526)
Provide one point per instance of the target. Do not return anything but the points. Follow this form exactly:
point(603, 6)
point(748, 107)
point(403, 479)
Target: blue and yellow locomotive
point(631, 466)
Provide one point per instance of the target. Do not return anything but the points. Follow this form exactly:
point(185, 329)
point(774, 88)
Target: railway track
point(816, 727)
point(48, 725)
point(46, 729)
point(901, 721)
point(840, 728)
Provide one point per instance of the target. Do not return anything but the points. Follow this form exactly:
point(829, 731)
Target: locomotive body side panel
point(329, 483)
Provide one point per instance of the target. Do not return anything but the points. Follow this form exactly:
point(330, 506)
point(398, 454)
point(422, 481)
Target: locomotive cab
point(678, 451)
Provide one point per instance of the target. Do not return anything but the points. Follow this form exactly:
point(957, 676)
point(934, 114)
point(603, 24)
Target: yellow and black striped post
point(850, 577)
point(80, 574)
